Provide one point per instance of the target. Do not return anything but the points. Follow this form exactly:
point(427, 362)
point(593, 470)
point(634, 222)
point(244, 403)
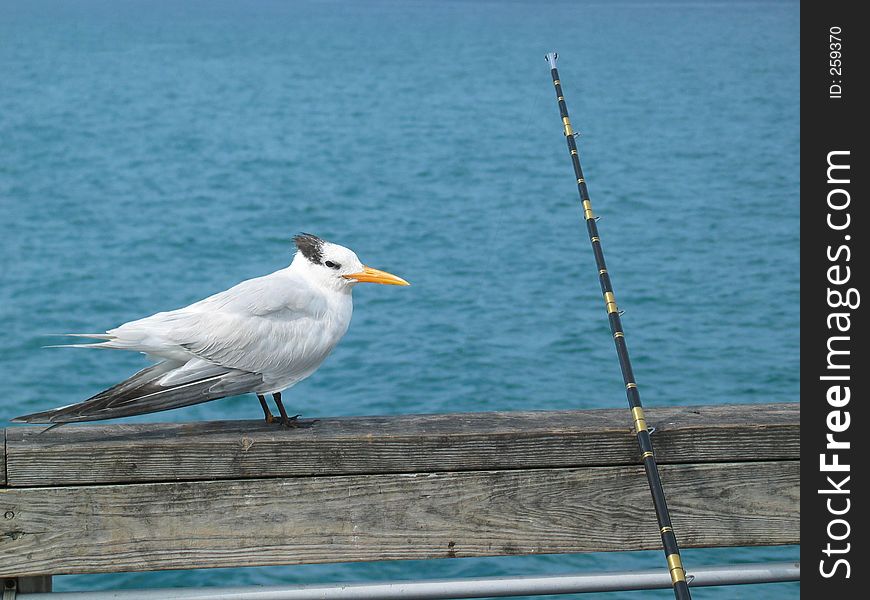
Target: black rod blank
point(669, 540)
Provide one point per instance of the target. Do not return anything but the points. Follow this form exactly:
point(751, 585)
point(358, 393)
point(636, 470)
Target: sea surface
point(153, 153)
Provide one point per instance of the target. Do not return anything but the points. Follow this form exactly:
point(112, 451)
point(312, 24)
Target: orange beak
point(374, 276)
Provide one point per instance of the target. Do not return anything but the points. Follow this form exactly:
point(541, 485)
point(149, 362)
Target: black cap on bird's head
point(310, 246)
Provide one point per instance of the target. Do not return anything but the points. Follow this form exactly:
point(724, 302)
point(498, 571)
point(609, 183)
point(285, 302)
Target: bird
point(263, 335)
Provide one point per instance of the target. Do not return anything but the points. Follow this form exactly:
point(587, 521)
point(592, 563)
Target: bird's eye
point(332, 265)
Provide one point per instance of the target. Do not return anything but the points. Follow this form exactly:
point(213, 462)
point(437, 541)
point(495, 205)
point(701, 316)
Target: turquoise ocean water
point(152, 153)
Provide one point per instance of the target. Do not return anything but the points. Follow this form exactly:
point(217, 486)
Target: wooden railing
point(111, 498)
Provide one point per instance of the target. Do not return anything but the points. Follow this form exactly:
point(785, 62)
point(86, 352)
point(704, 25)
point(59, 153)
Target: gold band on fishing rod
point(628, 386)
point(646, 455)
point(557, 82)
point(574, 152)
point(610, 302)
point(675, 565)
point(602, 271)
point(587, 210)
point(667, 529)
point(618, 334)
point(581, 180)
point(562, 98)
point(567, 122)
point(639, 421)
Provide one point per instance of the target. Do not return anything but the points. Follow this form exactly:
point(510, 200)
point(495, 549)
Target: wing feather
point(262, 325)
point(143, 393)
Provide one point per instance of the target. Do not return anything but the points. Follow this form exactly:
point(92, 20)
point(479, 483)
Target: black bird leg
point(285, 420)
point(266, 411)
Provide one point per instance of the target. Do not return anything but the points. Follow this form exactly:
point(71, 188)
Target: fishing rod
point(669, 539)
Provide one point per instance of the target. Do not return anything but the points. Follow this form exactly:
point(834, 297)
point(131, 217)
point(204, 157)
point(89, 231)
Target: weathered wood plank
point(86, 454)
point(390, 517)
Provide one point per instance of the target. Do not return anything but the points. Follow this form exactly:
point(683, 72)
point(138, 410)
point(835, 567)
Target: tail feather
point(108, 345)
point(142, 394)
point(96, 336)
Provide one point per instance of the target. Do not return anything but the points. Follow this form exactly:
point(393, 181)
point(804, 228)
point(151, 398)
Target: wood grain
point(127, 453)
point(390, 517)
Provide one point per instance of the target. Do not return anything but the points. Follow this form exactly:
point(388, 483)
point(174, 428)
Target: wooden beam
point(110, 528)
point(128, 453)
point(32, 585)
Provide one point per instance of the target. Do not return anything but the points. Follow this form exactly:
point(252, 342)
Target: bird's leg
point(285, 420)
point(266, 411)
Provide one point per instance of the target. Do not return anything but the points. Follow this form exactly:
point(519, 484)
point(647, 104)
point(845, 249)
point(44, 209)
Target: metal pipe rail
point(608, 581)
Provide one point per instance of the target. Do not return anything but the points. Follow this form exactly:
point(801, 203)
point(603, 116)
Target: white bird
point(263, 335)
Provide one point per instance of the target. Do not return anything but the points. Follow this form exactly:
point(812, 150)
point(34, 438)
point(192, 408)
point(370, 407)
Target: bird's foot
point(294, 422)
point(290, 422)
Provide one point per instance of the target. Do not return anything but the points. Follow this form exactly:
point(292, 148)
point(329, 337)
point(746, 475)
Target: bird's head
point(336, 266)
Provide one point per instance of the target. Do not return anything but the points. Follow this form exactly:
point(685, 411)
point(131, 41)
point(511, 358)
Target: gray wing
point(142, 394)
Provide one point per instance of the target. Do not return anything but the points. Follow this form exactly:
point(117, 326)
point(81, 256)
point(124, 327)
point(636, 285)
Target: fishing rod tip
point(551, 58)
